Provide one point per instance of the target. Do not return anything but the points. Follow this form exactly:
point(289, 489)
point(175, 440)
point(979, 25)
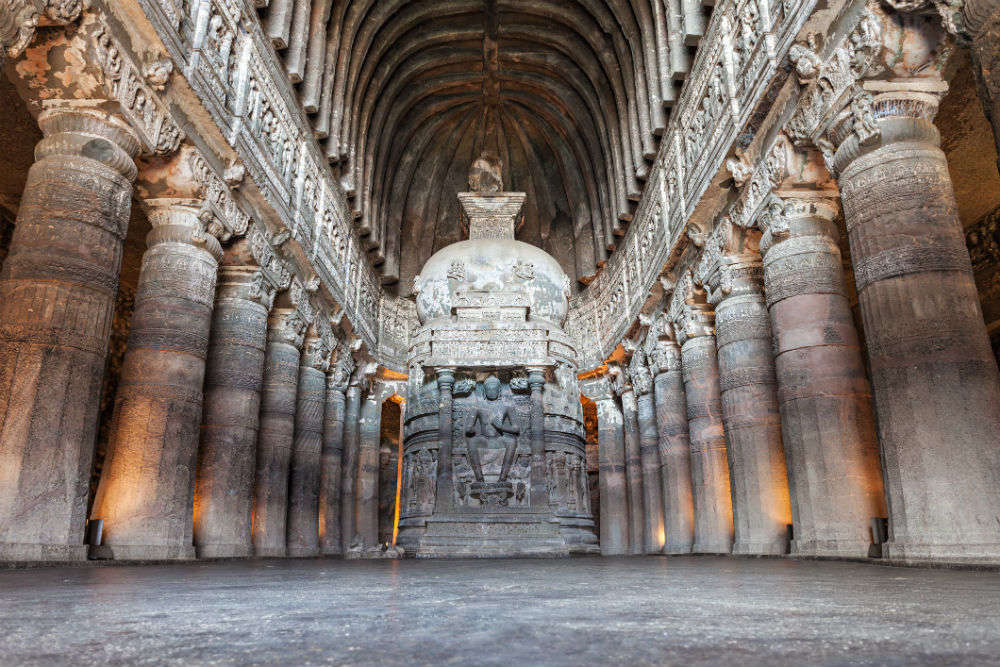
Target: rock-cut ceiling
point(571, 95)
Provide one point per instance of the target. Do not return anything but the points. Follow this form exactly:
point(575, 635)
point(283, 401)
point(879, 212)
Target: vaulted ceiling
point(572, 95)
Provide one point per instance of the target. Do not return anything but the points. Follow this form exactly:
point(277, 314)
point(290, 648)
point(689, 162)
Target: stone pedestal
point(713, 509)
point(612, 480)
point(758, 476)
point(304, 480)
point(349, 469)
point(223, 499)
point(633, 473)
point(675, 449)
point(65, 253)
point(145, 495)
point(366, 504)
point(827, 424)
point(285, 330)
point(330, 542)
point(934, 375)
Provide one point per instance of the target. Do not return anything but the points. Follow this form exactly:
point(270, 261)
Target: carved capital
point(177, 220)
point(690, 311)
point(285, 325)
point(638, 373)
point(730, 262)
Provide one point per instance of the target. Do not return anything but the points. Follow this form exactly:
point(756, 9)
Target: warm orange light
point(399, 469)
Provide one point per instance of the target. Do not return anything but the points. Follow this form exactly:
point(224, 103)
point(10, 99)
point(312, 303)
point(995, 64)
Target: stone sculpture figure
point(489, 422)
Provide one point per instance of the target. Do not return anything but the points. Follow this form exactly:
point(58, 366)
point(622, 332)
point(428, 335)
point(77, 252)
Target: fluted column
point(307, 448)
point(65, 253)
point(444, 489)
point(227, 456)
point(145, 495)
point(828, 428)
point(652, 486)
point(285, 331)
point(330, 542)
point(934, 376)
point(674, 446)
point(713, 510)
point(758, 477)
point(633, 468)
point(349, 469)
point(611, 469)
point(368, 463)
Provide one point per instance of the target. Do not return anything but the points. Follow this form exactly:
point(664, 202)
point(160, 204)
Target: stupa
point(493, 458)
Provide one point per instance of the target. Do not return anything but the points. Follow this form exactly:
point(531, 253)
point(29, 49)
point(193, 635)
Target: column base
point(927, 554)
point(830, 548)
point(270, 552)
point(779, 548)
point(26, 552)
point(331, 552)
point(711, 548)
point(677, 549)
point(224, 551)
point(142, 552)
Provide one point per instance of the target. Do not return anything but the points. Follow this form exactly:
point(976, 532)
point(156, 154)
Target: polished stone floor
point(585, 611)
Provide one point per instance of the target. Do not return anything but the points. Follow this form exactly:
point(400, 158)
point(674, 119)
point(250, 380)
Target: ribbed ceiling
point(570, 94)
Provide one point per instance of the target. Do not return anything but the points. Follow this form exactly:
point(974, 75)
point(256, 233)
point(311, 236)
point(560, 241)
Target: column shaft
point(652, 486)
point(57, 297)
point(234, 371)
point(539, 485)
point(614, 501)
point(934, 375)
point(443, 492)
point(277, 432)
point(675, 460)
point(761, 511)
point(368, 462)
point(633, 475)
point(713, 509)
point(330, 542)
point(828, 429)
point(349, 470)
point(304, 480)
point(145, 495)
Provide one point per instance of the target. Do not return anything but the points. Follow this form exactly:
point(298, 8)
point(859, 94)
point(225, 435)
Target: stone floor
point(584, 611)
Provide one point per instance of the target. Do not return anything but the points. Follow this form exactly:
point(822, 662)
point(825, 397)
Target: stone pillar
point(223, 498)
point(611, 469)
point(65, 253)
point(370, 429)
point(285, 330)
point(633, 468)
point(981, 24)
point(713, 510)
point(145, 495)
point(827, 424)
point(443, 492)
point(934, 375)
point(539, 485)
point(652, 486)
point(304, 480)
point(349, 469)
point(330, 542)
point(674, 446)
point(733, 272)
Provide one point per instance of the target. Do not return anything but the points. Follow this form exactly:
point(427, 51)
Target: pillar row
point(145, 495)
point(652, 486)
point(828, 428)
point(57, 297)
point(224, 486)
point(934, 376)
point(611, 453)
point(285, 334)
